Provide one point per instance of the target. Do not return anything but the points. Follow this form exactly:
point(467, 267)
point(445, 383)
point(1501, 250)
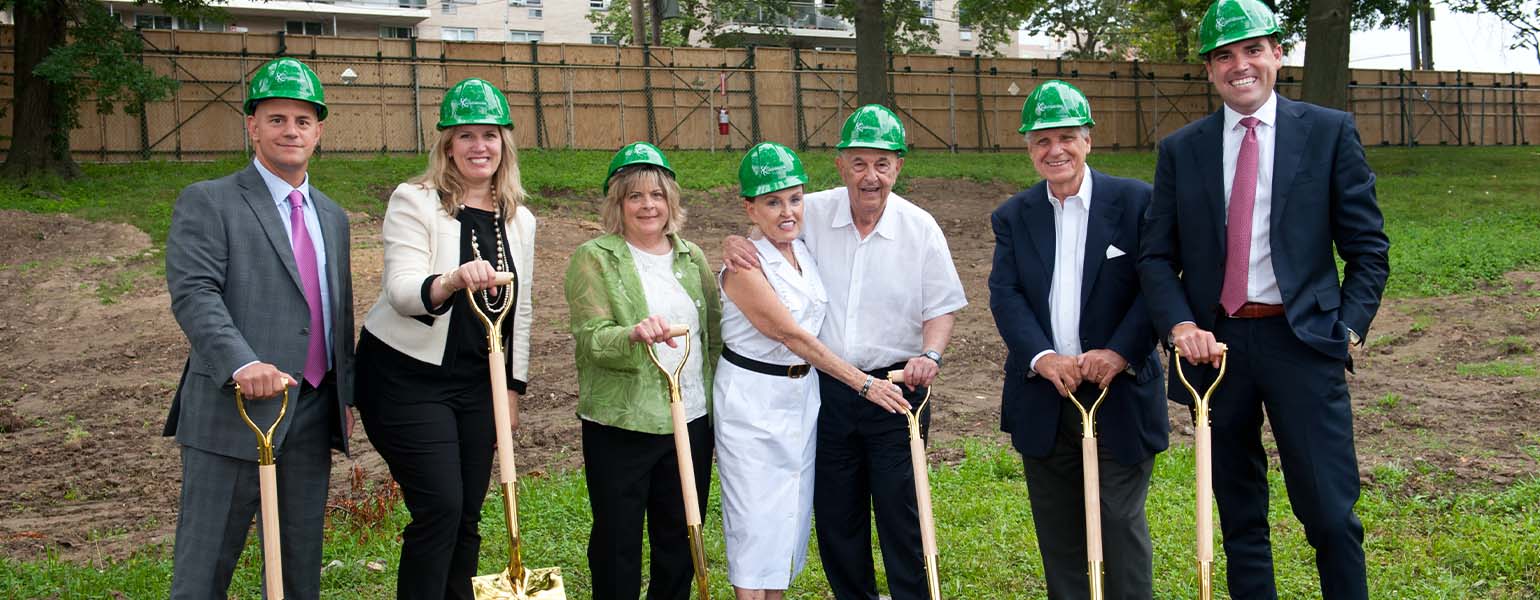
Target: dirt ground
point(89, 357)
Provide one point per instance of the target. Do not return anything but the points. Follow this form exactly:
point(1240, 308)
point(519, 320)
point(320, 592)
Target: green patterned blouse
point(617, 384)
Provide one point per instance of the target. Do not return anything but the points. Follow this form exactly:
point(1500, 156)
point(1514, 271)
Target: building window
point(601, 38)
point(396, 33)
point(928, 12)
point(517, 35)
point(153, 22)
point(535, 13)
point(305, 27)
point(965, 35)
point(598, 5)
point(965, 53)
point(459, 34)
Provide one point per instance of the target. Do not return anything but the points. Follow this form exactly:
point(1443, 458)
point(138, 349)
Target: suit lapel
point(1037, 213)
point(1100, 229)
point(254, 191)
point(1288, 141)
point(1208, 148)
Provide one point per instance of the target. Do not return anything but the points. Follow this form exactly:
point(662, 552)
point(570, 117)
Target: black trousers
point(632, 477)
point(1304, 395)
point(1056, 488)
point(863, 464)
point(437, 441)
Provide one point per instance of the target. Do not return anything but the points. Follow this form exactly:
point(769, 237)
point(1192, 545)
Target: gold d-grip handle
point(493, 325)
point(264, 439)
point(1201, 402)
point(673, 376)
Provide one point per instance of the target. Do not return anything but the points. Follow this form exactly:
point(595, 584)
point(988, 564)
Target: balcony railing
point(414, 4)
point(801, 15)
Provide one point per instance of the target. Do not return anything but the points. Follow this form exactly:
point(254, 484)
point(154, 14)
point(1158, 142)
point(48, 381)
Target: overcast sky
point(1460, 42)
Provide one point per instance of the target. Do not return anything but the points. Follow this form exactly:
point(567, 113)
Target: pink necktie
point(304, 258)
point(1243, 197)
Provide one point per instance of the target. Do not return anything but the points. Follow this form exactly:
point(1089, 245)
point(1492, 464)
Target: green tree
point(1522, 15)
point(68, 52)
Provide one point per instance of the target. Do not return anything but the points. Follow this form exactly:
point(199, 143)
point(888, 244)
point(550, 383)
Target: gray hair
point(1085, 132)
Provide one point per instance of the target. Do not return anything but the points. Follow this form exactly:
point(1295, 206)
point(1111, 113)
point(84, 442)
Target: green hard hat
point(1055, 104)
point(1230, 21)
point(873, 126)
point(473, 102)
point(286, 78)
point(637, 153)
point(769, 167)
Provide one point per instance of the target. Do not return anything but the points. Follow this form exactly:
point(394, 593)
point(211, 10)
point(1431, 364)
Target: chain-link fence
point(383, 96)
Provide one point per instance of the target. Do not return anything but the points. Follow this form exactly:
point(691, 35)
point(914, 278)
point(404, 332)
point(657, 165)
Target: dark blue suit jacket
point(1322, 197)
point(1132, 423)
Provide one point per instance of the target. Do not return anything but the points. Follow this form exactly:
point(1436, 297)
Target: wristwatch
point(933, 355)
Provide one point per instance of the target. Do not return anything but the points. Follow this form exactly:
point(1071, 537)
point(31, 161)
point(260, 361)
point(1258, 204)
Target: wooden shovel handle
point(922, 494)
point(1093, 499)
point(502, 420)
point(686, 460)
point(272, 554)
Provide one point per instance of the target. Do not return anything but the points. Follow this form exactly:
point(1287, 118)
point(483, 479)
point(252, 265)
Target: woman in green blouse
point(625, 289)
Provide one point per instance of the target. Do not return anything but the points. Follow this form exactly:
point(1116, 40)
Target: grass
point(1454, 215)
point(1471, 544)
point(1496, 368)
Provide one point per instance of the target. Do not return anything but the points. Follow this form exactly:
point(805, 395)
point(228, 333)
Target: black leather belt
point(792, 371)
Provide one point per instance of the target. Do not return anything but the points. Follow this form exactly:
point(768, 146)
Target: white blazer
point(422, 240)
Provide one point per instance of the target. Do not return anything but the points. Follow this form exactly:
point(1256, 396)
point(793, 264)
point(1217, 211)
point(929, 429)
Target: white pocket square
point(1114, 252)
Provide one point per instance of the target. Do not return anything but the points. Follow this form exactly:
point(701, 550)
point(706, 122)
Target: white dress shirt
point(1070, 218)
point(1261, 282)
point(883, 288)
point(279, 190)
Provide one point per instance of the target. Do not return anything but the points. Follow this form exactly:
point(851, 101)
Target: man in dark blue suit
point(1065, 297)
point(1238, 249)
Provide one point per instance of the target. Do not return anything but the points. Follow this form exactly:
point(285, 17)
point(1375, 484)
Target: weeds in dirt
point(1389, 401)
point(10, 421)
point(367, 506)
point(75, 434)
point(1511, 345)
point(1421, 323)
point(1389, 476)
point(1496, 368)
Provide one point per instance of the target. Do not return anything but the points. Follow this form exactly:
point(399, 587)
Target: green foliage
point(101, 64)
point(1470, 543)
point(1496, 368)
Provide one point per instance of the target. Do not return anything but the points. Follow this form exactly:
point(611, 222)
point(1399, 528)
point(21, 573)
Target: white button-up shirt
point(883, 288)
point(1070, 218)
point(1261, 282)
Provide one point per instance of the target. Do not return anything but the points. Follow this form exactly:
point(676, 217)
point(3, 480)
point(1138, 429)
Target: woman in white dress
point(766, 397)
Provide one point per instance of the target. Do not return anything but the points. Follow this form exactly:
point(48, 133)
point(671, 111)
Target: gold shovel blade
point(537, 584)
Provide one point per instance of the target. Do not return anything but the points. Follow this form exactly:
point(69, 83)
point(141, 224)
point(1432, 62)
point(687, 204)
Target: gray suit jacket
point(237, 295)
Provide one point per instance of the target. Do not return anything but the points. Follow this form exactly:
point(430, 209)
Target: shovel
point(267, 480)
point(1090, 473)
point(692, 520)
point(515, 582)
point(921, 467)
point(1202, 436)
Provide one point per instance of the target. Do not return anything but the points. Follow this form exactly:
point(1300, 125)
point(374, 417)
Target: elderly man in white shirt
point(892, 293)
point(1066, 299)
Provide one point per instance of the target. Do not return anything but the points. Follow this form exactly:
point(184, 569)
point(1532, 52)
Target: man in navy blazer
point(1237, 250)
point(1065, 297)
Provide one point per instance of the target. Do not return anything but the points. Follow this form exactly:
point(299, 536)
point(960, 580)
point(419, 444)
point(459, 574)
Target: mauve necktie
point(304, 258)
point(1243, 198)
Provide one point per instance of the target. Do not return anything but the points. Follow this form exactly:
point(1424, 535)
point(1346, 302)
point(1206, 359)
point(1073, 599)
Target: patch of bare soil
point(85, 385)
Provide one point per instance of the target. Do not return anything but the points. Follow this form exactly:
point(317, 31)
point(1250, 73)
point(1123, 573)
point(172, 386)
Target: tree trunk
point(638, 24)
point(1327, 35)
point(39, 142)
point(871, 54)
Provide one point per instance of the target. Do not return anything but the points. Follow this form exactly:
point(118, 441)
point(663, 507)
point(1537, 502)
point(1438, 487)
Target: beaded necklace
point(501, 300)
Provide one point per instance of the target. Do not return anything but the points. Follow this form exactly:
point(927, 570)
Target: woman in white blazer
point(423, 389)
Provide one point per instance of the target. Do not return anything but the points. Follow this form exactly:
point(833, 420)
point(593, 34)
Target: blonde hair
point(445, 177)
point(630, 178)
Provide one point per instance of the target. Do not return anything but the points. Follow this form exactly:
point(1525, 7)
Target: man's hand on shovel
point(261, 380)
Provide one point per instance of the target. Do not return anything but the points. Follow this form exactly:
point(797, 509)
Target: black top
point(465, 350)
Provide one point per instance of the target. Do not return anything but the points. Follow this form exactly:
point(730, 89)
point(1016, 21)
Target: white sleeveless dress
point(766, 433)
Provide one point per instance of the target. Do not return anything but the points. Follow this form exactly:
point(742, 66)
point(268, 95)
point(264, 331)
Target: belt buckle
point(797, 371)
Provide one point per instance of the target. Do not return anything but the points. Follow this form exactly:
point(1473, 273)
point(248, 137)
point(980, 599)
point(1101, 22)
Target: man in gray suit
point(257, 265)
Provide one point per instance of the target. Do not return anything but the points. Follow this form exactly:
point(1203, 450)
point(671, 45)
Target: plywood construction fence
point(601, 97)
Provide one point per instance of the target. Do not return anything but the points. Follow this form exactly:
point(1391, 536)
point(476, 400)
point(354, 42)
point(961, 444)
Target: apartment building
point(348, 18)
